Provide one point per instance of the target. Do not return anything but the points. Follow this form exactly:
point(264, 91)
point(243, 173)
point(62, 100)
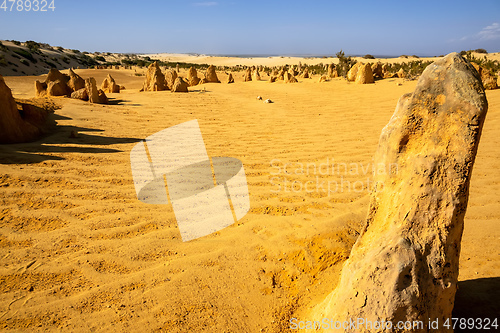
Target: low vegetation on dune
point(493, 66)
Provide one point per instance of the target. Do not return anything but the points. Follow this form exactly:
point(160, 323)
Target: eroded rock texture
point(404, 265)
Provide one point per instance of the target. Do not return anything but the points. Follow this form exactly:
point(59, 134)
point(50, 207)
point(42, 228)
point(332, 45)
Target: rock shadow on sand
point(60, 140)
point(477, 298)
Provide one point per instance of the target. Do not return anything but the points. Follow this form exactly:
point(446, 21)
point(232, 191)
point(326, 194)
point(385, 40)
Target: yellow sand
point(80, 252)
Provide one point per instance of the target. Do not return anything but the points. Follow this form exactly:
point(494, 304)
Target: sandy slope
point(80, 252)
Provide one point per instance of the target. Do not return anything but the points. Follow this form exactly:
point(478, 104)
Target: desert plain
point(80, 253)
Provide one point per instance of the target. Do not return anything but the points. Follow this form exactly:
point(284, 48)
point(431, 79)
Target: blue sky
point(262, 27)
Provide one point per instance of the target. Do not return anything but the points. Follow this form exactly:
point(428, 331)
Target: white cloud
point(490, 32)
point(205, 4)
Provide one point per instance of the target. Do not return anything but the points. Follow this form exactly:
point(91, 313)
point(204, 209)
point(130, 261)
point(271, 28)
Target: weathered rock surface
point(56, 84)
point(401, 73)
point(248, 75)
point(332, 71)
point(80, 94)
point(58, 88)
point(377, 70)
point(103, 99)
point(155, 80)
point(488, 80)
point(289, 78)
point(40, 89)
point(55, 75)
point(109, 85)
point(404, 265)
point(351, 75)
point(281, 74)
point(256, 75)
point(305, 74)
point(75, 82)
point(364, 74)
point(192, 77)
point(14, 127)
point(91, 88)
point(230, 78)
point(95, 95)
point(210, 75)
point(170, 77)
point(179, 85)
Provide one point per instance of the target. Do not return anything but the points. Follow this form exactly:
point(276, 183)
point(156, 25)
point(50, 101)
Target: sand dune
point(80, 252)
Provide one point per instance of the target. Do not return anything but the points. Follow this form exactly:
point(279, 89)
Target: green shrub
point(59, 48)
point(16, 42)
point(412, 68)
point(3, 47)
point(492, 66)
point(2, 60)
point(480, 51)
point(75, 51)
point(24, 62)
point(345, 64)
point(33, 46)
point(368, 56)
point(87, 61)
point(100, 58)
point(51, 64)
point(65, 59)
point(25, 54)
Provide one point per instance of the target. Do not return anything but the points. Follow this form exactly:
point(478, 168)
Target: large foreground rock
point(13, 127)
point(404, 265)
